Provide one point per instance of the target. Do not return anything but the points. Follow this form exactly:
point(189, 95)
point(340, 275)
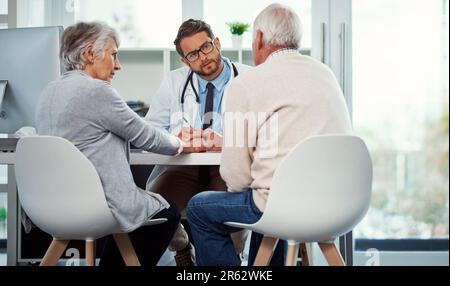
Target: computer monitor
point(29, 60)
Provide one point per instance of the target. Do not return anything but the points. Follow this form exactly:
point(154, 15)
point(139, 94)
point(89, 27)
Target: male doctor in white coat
point(190, 103)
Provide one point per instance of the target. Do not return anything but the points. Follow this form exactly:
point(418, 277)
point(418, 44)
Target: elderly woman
point(84, 108)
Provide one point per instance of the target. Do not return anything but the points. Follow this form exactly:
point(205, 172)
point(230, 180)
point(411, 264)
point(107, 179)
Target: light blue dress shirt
point(219, 87)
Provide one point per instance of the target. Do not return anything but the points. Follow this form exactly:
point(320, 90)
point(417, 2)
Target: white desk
point(136, 158)
point(143, 158)
point(195, 159)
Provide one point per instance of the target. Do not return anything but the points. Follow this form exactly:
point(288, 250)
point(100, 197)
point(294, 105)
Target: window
point(3, 175)
point(140, 23)
point(3, 14)
point(3, 7)
point(400, 107)
point(218, 13)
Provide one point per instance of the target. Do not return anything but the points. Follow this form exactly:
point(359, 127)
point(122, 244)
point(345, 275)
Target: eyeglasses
point(206, 48)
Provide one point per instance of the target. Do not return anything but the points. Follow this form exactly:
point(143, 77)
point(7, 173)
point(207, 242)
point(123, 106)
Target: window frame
point(403, 245)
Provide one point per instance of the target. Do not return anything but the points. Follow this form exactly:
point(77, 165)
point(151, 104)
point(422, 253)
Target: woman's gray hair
point(76, 38)
point(280, 26)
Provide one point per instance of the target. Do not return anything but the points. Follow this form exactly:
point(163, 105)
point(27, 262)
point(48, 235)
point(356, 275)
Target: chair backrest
point(60, 189)
point(320, 190)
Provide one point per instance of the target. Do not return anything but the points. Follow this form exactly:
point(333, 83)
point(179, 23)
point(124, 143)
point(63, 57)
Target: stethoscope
point(189, 80)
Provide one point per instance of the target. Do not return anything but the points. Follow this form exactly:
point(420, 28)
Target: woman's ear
point(89, 53)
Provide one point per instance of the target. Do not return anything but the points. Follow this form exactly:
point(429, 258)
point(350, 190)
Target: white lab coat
point(166, 111)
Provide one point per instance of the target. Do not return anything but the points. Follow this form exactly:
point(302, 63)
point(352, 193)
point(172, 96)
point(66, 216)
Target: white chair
point(61, 192)
point(320, 191)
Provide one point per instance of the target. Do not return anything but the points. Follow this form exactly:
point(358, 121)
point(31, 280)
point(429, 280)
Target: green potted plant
point(2, 214)
point(237, 29)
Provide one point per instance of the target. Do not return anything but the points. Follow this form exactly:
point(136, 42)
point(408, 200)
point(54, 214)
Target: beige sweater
point(305, 99)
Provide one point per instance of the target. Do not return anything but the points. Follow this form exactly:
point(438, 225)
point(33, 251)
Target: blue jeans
point(207, 213)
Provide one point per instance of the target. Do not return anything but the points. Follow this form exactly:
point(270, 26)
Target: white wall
point(141, 75)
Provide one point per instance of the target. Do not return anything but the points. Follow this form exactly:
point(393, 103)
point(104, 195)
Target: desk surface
point(143, 158)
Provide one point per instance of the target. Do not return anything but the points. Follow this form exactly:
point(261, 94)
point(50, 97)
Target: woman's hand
point(197, 141)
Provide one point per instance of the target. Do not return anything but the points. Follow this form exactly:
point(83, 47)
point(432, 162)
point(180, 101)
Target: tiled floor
point(166, 260)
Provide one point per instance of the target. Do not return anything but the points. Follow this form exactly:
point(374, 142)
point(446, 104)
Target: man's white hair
point(280, 26)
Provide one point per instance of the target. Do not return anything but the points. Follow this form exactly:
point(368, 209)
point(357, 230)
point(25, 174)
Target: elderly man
point(299, 96)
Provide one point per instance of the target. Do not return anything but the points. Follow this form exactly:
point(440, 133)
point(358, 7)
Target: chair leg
point(54, 252)
point(306, 254)
point(126, 249)
point(90, 252)
point(291, 259)
point(265, 251)
point(331, 253)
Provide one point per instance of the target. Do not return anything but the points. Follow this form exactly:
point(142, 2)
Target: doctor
point(190, 104)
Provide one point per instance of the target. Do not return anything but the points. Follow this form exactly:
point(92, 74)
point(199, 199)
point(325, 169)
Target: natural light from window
point(3, 7)
point(219, 13)
point(140, 23)
point(400, 107)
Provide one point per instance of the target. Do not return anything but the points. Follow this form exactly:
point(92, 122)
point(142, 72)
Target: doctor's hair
point(191, 27)
point(280, 26)
point(78, 37)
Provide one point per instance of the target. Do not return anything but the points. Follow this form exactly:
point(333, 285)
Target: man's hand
point(212, 141)
point(192, 139)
